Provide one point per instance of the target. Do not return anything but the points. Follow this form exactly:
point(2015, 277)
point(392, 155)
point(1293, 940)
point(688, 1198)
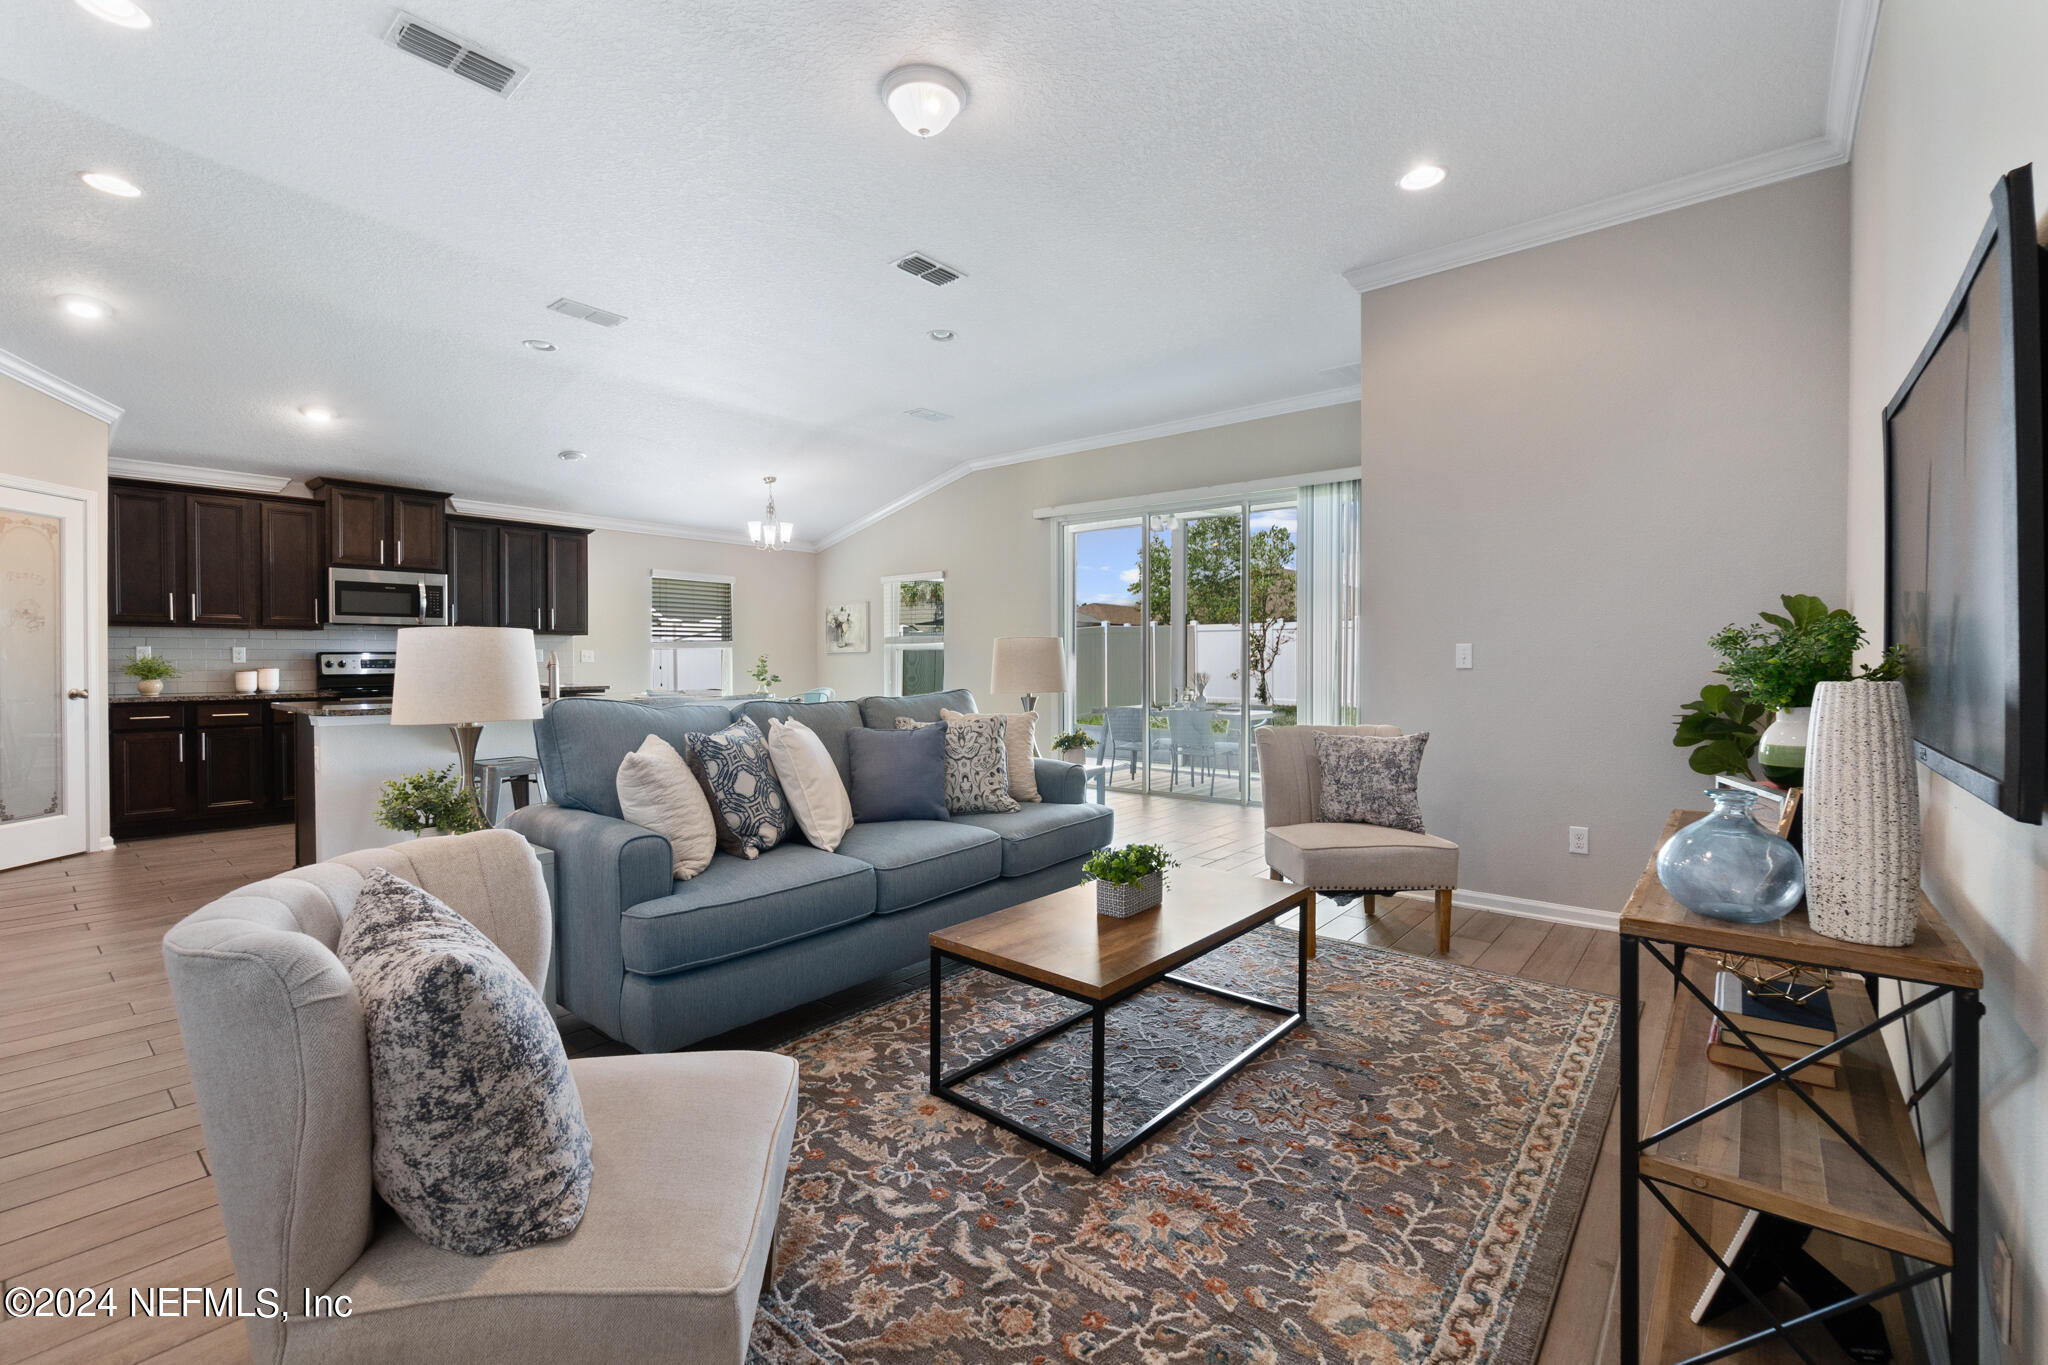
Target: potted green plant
point(1128, 879)
point(760, 674)
point(1073, 746)
point(149, 673)
point(429, 803)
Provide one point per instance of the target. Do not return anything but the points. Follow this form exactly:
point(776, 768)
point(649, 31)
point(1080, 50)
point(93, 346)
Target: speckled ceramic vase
point(1862, 814)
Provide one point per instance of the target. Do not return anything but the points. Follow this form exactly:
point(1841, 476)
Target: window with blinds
point(691, 611)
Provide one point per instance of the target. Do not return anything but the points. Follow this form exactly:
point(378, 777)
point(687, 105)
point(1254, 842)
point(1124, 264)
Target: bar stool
point(522, 772)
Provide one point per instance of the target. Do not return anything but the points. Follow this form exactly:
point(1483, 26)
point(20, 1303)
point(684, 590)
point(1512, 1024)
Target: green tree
point(1212, 586)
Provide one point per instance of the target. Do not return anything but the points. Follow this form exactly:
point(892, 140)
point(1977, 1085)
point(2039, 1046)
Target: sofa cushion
point(812, 786)
point(1020, 742)
point(1371, 779)
point(742, 905)
point(898, 774)
point(880, 713)
point(478, 1138)
point(921, 860)
point(739, 777)
point(582, 741)
point(1039, 835)
point(977, 762)
point(828, 720)
point(1341, 857)
point(698, 1141)
point(658, 791)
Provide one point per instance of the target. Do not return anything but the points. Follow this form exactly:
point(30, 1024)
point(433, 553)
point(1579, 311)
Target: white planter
point(1073, 755)
point(1782, 749)
point(1862, 815)
point(150, 687)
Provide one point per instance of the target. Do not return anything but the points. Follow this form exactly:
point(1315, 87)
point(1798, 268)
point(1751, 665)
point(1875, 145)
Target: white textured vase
point(1862, 815)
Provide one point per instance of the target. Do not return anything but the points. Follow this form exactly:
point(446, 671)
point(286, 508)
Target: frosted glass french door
point(43, 686)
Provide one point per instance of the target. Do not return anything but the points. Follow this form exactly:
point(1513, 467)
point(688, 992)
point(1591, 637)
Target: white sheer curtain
point(1327, 580)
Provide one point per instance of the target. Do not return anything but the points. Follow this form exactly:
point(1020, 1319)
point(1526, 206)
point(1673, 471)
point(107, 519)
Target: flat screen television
point(1966, 574)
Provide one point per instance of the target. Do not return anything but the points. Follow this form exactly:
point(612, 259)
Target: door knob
point(78, 694)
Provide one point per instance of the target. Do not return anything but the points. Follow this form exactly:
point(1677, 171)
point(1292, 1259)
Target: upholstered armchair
point(688, 1150)
point(1307, 850)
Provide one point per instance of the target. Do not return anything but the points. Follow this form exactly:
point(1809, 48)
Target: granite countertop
point(328, 707)
point(131, 699)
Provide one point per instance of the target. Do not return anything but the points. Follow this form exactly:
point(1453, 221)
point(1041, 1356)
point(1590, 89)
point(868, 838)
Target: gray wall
point(1583, 459)
point(1956, 98)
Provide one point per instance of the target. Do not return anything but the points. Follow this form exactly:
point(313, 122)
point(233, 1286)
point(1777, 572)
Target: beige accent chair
point(688, 1149)
point(1303, 848)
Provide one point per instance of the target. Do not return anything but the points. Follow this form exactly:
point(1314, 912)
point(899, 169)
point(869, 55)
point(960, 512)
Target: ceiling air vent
point(927, 269)
point(573, 309)
point(928, 414)
point(451, 53)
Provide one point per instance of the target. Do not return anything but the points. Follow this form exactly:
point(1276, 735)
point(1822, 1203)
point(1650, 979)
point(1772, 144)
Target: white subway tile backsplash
point(205, 658)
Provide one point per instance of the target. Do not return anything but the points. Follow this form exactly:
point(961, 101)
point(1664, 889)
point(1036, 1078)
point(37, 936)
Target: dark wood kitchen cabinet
point(234, 768)
point(293, 569)
point(416, 531)
point(358, 526)
point(223, 569)
point(472, 572)
point(505, 573)
point(145, 554)
point(179, 766)
point(372, 526)
point(522, 576)
point(568, 554)
point(149, 777)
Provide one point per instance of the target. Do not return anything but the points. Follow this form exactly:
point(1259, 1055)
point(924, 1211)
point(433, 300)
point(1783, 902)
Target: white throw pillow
point(1018, 745)
point(658, 791)
point(817, 798)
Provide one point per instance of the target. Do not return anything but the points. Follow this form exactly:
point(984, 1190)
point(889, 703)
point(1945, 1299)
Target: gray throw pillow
point(1371, 779)
point(977, 763)
point(478, 1139)
point(897, 775)
point(739, 777)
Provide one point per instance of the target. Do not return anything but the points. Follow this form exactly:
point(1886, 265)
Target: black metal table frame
point(1096, 1014)
point(1965, 1011)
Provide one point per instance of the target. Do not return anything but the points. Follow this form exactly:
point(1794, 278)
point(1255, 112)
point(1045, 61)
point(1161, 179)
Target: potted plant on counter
point(1073, 746)
point(149, 673)
point(428, 804)
point(1128, 879)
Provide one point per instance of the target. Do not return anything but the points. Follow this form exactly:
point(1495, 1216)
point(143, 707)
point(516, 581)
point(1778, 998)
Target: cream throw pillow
point(817, 798)
point(1018, 727)
point(658, 791)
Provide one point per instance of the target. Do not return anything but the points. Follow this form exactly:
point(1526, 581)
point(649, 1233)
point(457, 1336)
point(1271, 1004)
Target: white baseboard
point(1583, 916)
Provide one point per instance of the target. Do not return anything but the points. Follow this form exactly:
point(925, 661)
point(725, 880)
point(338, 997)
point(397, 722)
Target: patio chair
point(1194, 745)
point(1126, 732)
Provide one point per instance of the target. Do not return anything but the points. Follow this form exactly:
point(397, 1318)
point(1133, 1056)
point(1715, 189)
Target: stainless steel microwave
point(386, 597)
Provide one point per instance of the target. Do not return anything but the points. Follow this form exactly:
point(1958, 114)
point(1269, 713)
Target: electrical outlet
point(2001, 1289)
point(1464, 656)
point(586, 656)
point(142, 651)
point(1578, 840)
point(241, 654)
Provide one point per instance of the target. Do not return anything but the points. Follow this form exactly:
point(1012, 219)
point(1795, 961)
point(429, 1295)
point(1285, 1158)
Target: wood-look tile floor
point(103, 1177)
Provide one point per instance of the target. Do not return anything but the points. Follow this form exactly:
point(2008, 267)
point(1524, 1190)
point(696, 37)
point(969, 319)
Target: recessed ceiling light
point(536, 344)
point(110, 184)
point(570, 455)
point(126, 13)
point(317, 415)
point(79, 306)
point(1424, 177)
point(939, 334)
point(924, 99)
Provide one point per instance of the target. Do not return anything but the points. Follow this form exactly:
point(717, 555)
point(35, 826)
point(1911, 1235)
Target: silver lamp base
point(466, 736)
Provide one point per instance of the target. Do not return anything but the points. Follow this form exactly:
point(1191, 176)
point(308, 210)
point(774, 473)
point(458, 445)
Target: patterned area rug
point(1395, 1181)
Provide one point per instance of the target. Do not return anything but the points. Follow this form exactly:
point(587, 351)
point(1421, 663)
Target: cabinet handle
point(316, 611)
point(401, 551)
point(195, 606)
point(226, 715)
point(202, 746)
point(551, 618)
point(380, 550)
point(171, 604)
point(181, 748)
point(149, 717)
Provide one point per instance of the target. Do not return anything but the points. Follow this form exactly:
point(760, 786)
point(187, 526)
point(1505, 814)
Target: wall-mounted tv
point(1966, 572)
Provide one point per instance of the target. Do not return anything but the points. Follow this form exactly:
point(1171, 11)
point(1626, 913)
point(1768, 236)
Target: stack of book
point(1785, 1030)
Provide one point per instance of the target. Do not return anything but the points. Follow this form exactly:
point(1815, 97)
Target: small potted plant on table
point(1073, 746)
point(149, 673)
point(429, 803)
point(1128, 879)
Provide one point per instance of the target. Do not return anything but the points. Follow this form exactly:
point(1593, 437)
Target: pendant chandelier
point(768, 533)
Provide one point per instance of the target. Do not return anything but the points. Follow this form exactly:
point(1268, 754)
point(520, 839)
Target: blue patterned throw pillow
point(734, 767)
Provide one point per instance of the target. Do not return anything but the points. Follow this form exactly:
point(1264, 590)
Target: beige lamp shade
point(457, 675)
point(1032, 664)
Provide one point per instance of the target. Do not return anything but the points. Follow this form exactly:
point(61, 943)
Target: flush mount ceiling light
point(126, 13)
point(939, 334)
point(79, 306)
point(570, 455)
point(768, 533)
point(535, 344)
point(1424, 177)
point(110, 184)
point(319, 416)
point(924, 99)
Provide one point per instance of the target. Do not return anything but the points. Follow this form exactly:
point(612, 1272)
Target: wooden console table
point(1844, 1160)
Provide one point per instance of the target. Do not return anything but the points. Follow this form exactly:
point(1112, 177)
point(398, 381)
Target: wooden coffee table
point(1059, 944)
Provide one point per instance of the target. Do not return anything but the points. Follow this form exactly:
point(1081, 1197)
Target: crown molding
point(63, 390)
point(1278, 407)
point(1848, 68)
point(120, 467)
point(508, 511)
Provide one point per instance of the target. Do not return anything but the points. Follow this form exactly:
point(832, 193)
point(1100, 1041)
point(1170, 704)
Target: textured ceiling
point(1154, 202)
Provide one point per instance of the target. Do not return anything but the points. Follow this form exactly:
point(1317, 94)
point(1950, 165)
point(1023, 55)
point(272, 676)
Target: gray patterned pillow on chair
point(477, 1132)
point(1371, 780)
point(977, 763)
point(739, 777)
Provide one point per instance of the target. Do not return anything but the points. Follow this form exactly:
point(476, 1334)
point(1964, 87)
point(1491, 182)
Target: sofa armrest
point(603, 867)
point(1061, 783)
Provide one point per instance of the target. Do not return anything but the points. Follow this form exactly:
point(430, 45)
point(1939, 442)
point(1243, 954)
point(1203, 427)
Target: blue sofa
point(659, 963)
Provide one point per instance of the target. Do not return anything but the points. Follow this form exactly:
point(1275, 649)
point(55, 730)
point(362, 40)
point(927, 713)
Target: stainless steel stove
point(358, 676)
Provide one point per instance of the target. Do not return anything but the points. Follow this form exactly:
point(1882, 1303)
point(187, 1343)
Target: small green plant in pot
point(1128, 879)
point(429, 803)
point(1073, 746)
point(760, 674)
point(149, 673)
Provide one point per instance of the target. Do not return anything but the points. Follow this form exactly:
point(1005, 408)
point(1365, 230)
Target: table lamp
point(461, 677)
point(1028, 665)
